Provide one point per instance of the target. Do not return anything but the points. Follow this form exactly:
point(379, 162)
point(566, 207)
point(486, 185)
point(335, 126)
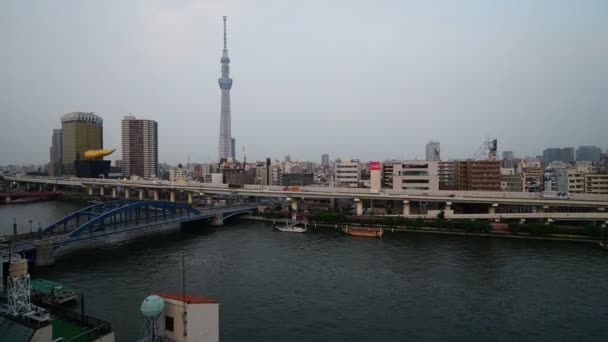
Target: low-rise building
point(596, 184)
point(416, 175)
point(297, 179)
point(511, 183)
point(348, 173)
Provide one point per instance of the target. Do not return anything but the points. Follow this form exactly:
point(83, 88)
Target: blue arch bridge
point(103, 220)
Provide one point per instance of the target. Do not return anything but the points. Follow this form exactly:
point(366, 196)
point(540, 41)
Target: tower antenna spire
point(225, 18)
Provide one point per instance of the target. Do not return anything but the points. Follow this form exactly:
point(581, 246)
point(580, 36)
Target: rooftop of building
point(188, 298)
point(82, 117)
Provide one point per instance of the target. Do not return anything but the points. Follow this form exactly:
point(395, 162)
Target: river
point(320, 286)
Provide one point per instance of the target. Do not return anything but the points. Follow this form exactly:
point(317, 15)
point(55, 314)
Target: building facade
point(554, 154)
point(447, 179)
point(511, 183)
point(348, 173)
point(55, 154)
point(432, 150)
point(80, 132)
point(139, 147)
point(596, 184)
point(507, 159)
point(591, 153)
point(325, 161)
point(416, 175)
point(477, 175)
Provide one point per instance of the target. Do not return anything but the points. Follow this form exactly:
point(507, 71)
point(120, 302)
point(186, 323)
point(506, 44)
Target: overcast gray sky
point(364, 79)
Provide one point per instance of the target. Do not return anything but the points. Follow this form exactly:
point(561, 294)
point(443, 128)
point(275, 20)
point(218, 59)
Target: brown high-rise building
point(139, 147)
point(79, 132)
point(477, 175)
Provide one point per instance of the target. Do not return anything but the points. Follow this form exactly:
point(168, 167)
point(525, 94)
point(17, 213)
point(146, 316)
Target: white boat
point(291, 228)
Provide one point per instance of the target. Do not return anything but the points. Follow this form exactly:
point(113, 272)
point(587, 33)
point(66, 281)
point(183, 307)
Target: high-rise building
point(432, 150)
point(507, 160)
point(592, 153)
point(553, 154)
point(55, 154)
point(225, 82)
point(139, 147)
point(233, 148)
point(325, 161)
point(79, 132)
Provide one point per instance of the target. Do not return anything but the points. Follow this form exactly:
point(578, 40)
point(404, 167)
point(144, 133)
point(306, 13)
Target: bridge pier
point(91, 191)
point(492, 209)
point(141, 194)
point(359, 205)
point(127, 193)
point(102, 191)
point(54, 188)
point(40, 188)
point(406, 208)
point(294, 204)
point(190, 198)
point(114, 193)
point(156, 195)
point(209, 199)
point(448, 206)
point(218, 219)
point(27, 186)
point(45, 253)
point(332, 203)
point(172, 196)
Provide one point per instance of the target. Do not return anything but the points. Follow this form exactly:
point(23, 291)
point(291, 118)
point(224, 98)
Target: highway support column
point(190, 198)
point(91, 191)
point(172, 196)
point(359, 205)
point(156, 195)
point(114, 195)
point(492, 209)
point(127, 193)
point(141, 194)
point(102, 191)
point(406, 208)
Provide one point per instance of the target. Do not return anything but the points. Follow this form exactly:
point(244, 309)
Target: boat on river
point(361, 231)
point(291, 228)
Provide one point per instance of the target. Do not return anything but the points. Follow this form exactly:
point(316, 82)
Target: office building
point(225, 82)
point(387, 173)
point(432, 150)
point(553, 154)
point(507, 160)
point(233, 148)
point(139, 147)
point(591, 153)
point(477, 175)
point(325, 161)
point(80, 132)
point(416, 175)
point(348, 173)
point(55, 154)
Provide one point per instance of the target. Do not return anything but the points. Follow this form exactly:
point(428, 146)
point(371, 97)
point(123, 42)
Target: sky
point(372, 80)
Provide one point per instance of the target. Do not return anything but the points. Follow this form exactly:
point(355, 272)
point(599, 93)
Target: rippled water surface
point(324, 287)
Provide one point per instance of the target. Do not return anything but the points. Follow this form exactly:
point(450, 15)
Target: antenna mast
point(225, 18)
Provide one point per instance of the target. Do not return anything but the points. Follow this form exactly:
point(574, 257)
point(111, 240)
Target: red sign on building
point(375, 166)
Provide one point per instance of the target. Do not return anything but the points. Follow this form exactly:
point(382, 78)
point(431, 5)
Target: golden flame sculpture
point(97, 154)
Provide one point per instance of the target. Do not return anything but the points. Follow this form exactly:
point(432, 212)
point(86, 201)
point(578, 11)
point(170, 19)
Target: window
point(168, 323)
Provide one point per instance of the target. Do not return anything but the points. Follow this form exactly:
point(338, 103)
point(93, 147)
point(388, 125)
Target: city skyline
point(458, 84)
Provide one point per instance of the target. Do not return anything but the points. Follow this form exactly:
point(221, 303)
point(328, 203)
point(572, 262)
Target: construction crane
point(488, 148)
